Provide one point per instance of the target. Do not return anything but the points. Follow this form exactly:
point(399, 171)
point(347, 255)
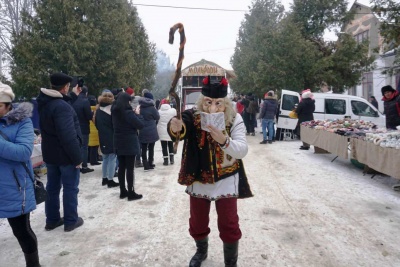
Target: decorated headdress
point(215, 90)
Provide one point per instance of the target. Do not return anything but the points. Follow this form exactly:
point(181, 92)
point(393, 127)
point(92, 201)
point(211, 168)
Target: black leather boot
point(201, 253)
point(165, 163)
point(146, 165)
point(151, 164)
point(171, 158)
point(111, 184)
point(132, 195)
point(138, 164)
point(32, 260)
point(231, 252)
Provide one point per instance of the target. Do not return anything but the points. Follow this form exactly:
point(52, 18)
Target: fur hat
point(60, 79)
point(129, 91)
point(387, 88)
point(306, 94)
point(215, 90)
point(6, 93)
point(106, 97)
point(148, 95)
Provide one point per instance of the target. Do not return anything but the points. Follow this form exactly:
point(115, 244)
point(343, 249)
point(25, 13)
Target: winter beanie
point(6, 93)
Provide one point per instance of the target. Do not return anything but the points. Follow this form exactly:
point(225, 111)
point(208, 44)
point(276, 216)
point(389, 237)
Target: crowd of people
point(121, 130)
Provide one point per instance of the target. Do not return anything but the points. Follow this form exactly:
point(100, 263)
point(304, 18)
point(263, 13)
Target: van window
point(335, 106)
point(288, 102)
point(362, 109)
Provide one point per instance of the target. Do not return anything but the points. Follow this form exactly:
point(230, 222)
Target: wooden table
point(333, 143)
point(384, 160)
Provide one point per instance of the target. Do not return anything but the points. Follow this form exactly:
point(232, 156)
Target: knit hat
point(387, 88)
point(306, 94)
point(164, 101)
point(6, 93)
point(148, 95)
point(60, 79)
point(215, 90)
point(129, 91)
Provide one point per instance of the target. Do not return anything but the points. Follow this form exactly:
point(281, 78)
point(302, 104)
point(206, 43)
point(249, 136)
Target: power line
point(196, 8)
point(213, 9)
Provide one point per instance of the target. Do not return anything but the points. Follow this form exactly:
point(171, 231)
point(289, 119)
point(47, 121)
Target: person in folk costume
point(212, 169)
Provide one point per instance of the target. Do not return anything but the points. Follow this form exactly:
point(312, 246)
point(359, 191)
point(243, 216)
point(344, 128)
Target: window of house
point(335, 106)
point(367, 85)
point(363, 109)
point(361, 37)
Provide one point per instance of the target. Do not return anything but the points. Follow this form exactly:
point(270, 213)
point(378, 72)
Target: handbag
point(40, 190)
point(293, 114)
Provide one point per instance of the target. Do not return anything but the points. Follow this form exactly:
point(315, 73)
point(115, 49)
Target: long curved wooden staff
point(172, 91)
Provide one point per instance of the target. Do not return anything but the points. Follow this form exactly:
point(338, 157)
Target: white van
point(329, 106)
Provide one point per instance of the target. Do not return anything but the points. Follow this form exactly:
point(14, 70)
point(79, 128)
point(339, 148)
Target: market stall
point(328, 141)
point(379, 149)
point(380, 158)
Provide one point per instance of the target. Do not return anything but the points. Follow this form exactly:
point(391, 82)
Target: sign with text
point(203, 70)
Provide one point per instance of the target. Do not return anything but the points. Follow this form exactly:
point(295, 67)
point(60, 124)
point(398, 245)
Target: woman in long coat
point(126, 123)
point(305, 111)
point(148, 136)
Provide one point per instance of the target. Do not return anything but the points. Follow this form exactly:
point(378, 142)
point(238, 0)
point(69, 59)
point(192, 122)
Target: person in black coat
point(103, 123)
point(126, 124)
point(81, 106)
point(61, 149)
point(148, 135)
point(391, 105)
point(305, 111)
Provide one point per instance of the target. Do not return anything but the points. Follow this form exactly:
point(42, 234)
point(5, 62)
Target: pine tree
point(93, 39)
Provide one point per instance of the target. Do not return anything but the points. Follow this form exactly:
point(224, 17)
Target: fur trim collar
point(51, 92)
point(21, 112)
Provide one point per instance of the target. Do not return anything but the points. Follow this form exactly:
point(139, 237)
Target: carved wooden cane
point(172, 91)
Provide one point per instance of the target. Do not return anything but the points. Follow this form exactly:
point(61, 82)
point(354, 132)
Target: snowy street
point(307, 211)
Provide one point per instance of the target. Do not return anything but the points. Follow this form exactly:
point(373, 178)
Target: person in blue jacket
point(17, 197)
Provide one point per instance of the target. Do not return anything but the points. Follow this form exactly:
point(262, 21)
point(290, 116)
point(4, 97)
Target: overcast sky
point(210, 35)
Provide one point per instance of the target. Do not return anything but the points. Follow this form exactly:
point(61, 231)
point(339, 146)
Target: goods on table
point(360, 129)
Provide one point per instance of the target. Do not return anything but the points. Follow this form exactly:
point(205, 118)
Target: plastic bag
point(293, 114)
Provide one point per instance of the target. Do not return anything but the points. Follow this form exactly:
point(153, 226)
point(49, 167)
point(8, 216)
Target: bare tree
point(11, 23)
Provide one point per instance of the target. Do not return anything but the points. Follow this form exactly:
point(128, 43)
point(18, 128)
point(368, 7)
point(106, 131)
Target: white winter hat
point(6, 93)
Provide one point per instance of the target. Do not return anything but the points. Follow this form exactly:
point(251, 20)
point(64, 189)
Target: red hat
point(164, 101)
point(129, 91)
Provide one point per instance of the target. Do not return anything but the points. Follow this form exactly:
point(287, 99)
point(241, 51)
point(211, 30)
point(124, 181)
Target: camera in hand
point(77, 80)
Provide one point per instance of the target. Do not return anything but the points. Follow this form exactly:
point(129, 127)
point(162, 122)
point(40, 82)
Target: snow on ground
point(307, 211)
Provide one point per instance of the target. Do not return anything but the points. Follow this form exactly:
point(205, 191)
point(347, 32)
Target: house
point(365, 26)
